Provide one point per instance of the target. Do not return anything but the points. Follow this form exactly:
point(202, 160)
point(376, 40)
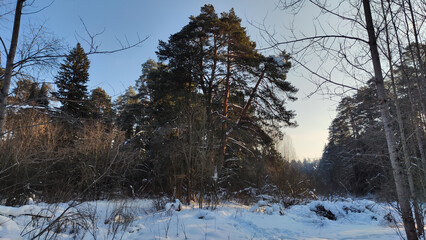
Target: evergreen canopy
point(72, 82)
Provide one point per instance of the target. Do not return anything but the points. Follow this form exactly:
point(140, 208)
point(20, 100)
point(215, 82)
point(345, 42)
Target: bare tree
point(417, 213)
point(353, 47)
point(398, 170)
point(7, 76)
point(286, 148)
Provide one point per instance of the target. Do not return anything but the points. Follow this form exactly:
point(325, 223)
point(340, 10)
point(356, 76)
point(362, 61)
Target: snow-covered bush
point(263, 206)
point(173, 206)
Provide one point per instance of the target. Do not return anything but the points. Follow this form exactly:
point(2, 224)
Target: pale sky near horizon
point(158, 20)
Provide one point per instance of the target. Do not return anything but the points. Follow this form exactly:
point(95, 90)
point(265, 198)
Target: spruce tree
point(72, 83)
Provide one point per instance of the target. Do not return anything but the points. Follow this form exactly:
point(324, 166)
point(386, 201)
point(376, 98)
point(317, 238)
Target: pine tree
point(214, 69)
point(43, 95)
point(23, 91)
point(29, 92)
point(72, 83)
point(128, 112)
point(100, 105)
point(355, 159)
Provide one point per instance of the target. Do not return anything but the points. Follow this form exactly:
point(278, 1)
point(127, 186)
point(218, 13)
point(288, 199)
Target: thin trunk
point(190, 143)
point(417, 213)
point(417, 128)
point(211, 80)
point(225, 110)
point(248, 104)
point(189, 163)
point(409, 86)
point(354, 125)
point(9, 64)
point(253, 93)
point(419, 65)
point(210, 135)
point(398, 173)
point(419, 57)
point(419, 89)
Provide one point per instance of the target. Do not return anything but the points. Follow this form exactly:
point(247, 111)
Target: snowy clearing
point(138, 219)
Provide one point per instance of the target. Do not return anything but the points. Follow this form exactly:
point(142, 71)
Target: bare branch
point(91, 41)
point(314, 38)
point(4, 46)
point(324, 78)
point(334, 13)
point(40, 10)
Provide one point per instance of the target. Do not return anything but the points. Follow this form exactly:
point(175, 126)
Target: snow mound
point(9, 230)
point(263, 206)
point(24, 210)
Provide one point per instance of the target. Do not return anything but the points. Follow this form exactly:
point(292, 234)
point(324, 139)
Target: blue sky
point(157, 20)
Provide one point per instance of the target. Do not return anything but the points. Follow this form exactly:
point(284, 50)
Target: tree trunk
point(252, 95)
point(398, 172)
point(9, 64)
point(247, 105)
point(225, 111)
point(210, 133)
point(417, 212)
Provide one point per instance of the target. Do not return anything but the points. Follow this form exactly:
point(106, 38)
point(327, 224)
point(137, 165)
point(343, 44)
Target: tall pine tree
point(222, 96)
point(72, 83)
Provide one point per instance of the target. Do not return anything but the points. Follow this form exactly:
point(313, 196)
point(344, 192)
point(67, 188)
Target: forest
point(203, 121)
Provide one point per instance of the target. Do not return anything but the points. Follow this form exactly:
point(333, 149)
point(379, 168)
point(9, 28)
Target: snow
point(17, 211)
point(138, 219)
point(9, 230)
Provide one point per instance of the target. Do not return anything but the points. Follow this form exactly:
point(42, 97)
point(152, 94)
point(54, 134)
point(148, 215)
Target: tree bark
point(9, 64)
point(398, 172)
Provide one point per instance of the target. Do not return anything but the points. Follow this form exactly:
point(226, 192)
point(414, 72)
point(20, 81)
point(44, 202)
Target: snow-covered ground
point(138, 219)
